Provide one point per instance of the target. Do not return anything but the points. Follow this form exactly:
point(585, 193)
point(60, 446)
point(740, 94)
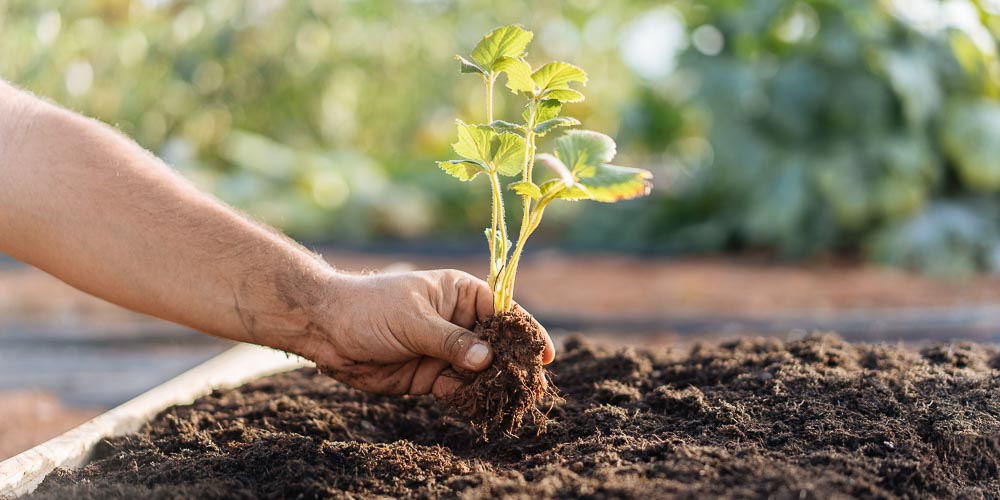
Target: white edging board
point(21, 473)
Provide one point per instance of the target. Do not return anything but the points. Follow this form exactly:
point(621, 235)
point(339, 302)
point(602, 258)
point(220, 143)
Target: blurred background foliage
point(794, 128)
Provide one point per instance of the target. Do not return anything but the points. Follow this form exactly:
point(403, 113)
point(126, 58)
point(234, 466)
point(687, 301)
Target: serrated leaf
point(475, 142)
point(547, 110)
point(581, 148)
point(509, 157)
point(506, 41)
point(611, 183)
point(558, 75)
point(560, 121)
point(468, 66)
point(527, 188)
point(557, 166)
point(563, 95)
point(518, 74)
point(464, 170)
point(507, 127)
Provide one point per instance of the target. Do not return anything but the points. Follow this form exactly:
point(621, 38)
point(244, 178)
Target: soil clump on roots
point(501, 396)
point(810, 418)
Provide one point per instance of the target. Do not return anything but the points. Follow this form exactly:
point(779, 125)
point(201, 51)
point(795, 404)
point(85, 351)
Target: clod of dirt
point(501, 396)
point(757, 418)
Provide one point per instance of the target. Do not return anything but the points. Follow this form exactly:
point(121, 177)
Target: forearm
point(91, 207)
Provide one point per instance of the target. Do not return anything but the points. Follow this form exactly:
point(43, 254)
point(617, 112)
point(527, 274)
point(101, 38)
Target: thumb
point(454, 344)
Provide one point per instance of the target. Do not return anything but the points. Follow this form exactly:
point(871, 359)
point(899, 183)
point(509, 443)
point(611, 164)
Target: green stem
point(492, 280)
point(510, 270)
point(490, 80)
point(501, 224)
point(509, 276)
point(495, 215)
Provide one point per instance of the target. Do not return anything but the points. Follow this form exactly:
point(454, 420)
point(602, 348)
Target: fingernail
point(476, 355)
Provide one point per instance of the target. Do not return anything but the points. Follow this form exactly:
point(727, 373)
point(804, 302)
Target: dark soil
point(498, 398)
point(812, 418)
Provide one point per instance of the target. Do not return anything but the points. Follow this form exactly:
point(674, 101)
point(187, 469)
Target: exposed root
point(500, 397)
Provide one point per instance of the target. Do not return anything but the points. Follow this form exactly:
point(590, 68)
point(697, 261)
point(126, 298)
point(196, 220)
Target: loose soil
point(815, 417)
point(498, 399)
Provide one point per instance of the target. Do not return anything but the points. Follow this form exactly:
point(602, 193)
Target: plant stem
point(490, 80)
point(495, 214)
point(509, 275)
point(510, 270)
point(501, 224)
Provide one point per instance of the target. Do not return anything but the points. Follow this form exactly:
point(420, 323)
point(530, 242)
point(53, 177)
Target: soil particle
point(829, 420)
point(501, 396)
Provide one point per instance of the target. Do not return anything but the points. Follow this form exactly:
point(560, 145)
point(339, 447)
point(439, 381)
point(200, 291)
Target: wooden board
point(22, 473)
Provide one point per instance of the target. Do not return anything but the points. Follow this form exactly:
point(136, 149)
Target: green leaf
point(558, 189)
point(502, 127)
point(971, 139)
point(518, 74)
point(468, 66)
point(575, 192)
point(475, 142)
point(557, 166)
point(611, 183)
point(560, 121)
point(558, 75)
point(464, 170)
point(547, 110)
point(527, 188)
point(509, 157)
point(506, 41)
point(581, 148)
point(563, 95)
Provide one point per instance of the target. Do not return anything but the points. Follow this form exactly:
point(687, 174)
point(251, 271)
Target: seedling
point(580, 162)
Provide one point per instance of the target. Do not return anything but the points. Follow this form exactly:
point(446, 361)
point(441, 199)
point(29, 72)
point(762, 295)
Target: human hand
point(406, 333)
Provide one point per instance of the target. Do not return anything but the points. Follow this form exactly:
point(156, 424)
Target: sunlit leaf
point(611, 183)
point(527, 188)
point(547, 110)
point(557, 166)
point(575, 192)
point(464, 170)
point(475, 142)
point(468, 66)
point(559, 121)
point(518, 74)
point(558, 75)
point(502, 126)
point(556, 188)
point(509, 157)
point(580, 148)
point(563, 95)
point(504, 42)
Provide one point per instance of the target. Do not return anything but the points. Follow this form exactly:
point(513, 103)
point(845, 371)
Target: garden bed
point(812, 417)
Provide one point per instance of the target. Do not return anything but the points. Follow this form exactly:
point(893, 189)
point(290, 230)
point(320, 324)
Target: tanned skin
point(94, 209)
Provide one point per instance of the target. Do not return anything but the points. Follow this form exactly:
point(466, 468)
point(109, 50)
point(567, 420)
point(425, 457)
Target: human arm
point(89, 206)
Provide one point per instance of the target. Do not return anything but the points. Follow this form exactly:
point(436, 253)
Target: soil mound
point(501, 396)
point(816, 417)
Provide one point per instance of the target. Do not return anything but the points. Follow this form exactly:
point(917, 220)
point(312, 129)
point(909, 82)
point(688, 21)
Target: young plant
point(499, 148)
point(500, 396)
